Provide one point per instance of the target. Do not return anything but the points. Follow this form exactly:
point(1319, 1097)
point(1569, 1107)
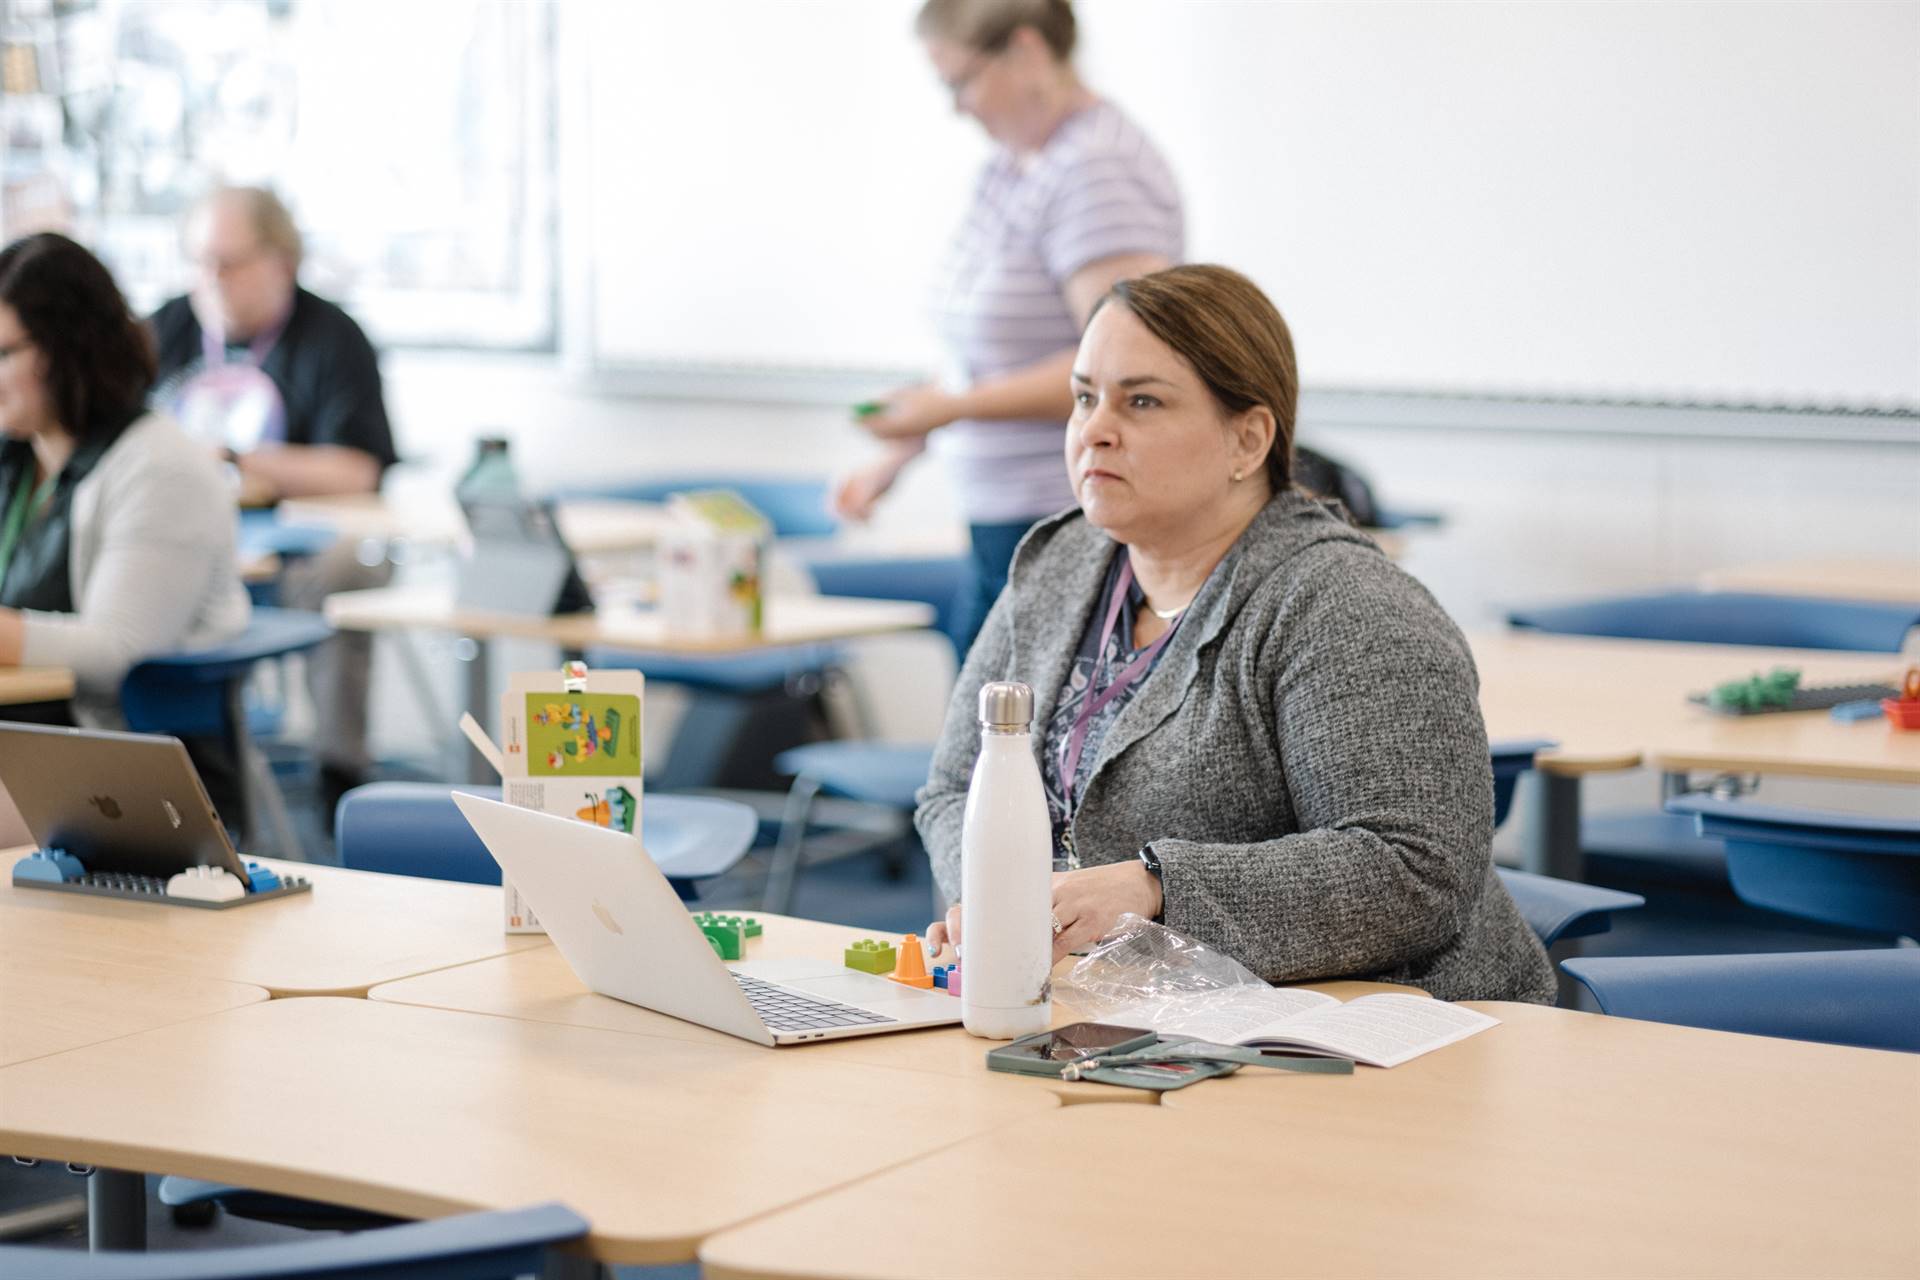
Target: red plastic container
point(1903, 712)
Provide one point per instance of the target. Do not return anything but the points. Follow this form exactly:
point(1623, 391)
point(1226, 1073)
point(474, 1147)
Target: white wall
point(1642, 199)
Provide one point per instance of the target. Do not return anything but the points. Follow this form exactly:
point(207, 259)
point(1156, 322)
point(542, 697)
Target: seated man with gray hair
point(286, 387)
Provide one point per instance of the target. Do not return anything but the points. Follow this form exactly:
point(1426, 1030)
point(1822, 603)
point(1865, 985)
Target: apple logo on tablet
point(107, 805)
point(606, 918)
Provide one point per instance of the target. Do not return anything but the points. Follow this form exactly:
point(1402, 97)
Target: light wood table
point(539, 986)
point(1559, 1143)
point(353, 930)
point(34, 684)
point(1888, 579)
point(50, 1005)
point(790, 620)
point(422, 1113)
point(1615, 704)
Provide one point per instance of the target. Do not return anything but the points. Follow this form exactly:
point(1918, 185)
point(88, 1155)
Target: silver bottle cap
point(1006, 706)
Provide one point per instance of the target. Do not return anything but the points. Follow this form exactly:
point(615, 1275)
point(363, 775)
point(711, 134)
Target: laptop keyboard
point(784, 1009)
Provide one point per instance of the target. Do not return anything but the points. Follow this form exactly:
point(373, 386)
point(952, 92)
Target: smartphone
point(1044, 1054)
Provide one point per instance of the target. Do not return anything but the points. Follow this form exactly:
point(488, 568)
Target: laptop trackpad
point(857, 989)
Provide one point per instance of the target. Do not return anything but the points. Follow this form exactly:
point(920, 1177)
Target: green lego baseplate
point(869, 955)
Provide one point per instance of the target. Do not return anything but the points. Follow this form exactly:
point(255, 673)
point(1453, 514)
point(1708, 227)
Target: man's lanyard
point(213, 342)
point(1128, 675)
point(26, 500)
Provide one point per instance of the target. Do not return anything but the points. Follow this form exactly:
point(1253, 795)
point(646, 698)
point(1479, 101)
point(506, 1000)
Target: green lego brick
point(727, 938)
point(749, 927)
point(870, 956)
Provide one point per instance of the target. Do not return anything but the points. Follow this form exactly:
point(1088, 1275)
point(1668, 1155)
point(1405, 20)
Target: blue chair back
point(796, 507)
point(473, 1246)
point(933, 580)
point(1838, 868)
point(1712, 617)
point(414, 829)
point(1869, 999)
point(193, 692)
point(1510, 760)
point(1556, 909)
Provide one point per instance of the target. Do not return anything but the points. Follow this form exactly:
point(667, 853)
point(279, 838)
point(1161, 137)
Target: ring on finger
point(1058, 928)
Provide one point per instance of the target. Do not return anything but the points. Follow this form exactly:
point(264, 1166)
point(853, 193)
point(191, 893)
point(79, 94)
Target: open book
point(1381, 1031)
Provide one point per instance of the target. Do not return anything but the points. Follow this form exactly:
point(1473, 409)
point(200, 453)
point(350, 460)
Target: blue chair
point(796, 506)
point(1868, 999)
point(884, 774)
point(1556, 909)
point(262, 534)
point(473, 1246)
point(1844, 869)
point(414, 829)
point(1716, 617)
point(1510, 760)
point(200, 694)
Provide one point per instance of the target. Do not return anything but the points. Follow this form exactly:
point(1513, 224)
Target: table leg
point(116, 1210)
point(479, 696)
point(1552, 845)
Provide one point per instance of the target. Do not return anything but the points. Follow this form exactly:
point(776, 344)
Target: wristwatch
point(1151, 861)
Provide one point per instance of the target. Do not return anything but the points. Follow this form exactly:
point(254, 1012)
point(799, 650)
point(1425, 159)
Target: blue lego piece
point(259, 879)
point(940, 977)
point(48, 866)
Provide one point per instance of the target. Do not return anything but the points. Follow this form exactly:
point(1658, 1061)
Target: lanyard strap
point(1128, 675)
point(213, 342)
point(26, 500)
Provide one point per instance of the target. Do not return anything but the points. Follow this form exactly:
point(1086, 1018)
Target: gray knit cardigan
point(1307, 758)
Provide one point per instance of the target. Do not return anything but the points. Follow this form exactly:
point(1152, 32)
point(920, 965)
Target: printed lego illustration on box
point(583, 735)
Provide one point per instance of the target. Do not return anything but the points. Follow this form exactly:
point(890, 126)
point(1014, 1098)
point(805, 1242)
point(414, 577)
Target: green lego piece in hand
point(871, 956)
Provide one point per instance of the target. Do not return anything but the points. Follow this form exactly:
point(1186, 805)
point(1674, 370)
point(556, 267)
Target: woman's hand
point(944, 933)
point(911, 412)
point(855, 494)
point(1087, 902)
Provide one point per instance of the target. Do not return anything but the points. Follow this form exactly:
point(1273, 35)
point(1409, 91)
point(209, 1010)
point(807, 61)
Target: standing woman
point(1073, 199)
point(116, 530)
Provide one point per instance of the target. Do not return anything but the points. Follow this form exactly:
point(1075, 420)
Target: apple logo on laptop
point(606, 918)
point(107, 805)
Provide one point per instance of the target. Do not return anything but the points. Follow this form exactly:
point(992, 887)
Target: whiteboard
point(1699, 203)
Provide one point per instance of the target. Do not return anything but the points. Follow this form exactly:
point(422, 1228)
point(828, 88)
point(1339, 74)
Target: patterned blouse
point(1078, 688)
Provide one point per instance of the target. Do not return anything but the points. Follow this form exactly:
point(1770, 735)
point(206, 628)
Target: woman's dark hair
point(987, 25)
point(1219, 322)
point(99, 357)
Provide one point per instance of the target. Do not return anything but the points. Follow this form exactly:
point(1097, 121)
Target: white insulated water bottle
point(1006, 876)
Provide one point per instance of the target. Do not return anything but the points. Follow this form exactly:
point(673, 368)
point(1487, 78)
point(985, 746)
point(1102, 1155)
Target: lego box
point(571, 745)
point(712, 561)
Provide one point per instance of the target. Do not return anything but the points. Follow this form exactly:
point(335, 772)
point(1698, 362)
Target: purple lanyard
point(213, 346)
point(1077, 737)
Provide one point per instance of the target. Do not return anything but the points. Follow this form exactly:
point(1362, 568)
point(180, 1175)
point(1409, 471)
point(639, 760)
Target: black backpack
point(1328, 478)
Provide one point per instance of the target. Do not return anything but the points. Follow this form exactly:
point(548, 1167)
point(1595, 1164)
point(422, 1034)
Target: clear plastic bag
point(1142, 964)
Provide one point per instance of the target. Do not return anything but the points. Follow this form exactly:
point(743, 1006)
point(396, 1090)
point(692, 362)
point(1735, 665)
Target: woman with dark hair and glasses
point(116, 530)
point(1073, 198)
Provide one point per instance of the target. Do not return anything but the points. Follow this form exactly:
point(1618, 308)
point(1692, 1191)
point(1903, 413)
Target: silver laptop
point(627, 935)
point(127, 803)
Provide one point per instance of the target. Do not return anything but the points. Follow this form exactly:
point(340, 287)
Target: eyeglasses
point(221, 267)
point(964, 81)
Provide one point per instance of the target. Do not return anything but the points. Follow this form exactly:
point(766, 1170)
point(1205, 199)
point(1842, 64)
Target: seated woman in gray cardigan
point(1251, 725)
point(116, 530)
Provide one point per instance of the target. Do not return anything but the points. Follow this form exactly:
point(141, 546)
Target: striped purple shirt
point(1098, 188)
